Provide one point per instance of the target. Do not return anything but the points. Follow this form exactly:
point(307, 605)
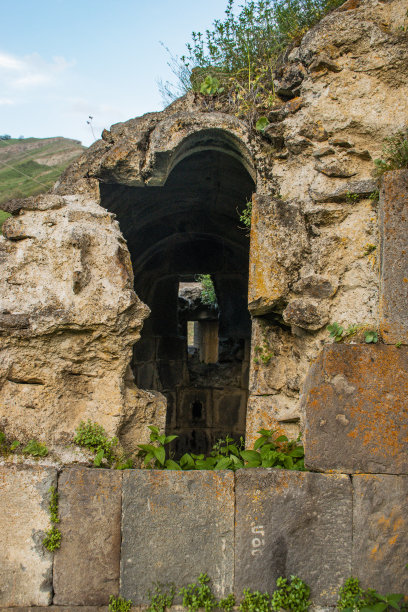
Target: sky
point(63, 60)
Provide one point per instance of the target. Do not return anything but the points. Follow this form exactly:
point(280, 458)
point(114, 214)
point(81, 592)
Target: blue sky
point(62, 60)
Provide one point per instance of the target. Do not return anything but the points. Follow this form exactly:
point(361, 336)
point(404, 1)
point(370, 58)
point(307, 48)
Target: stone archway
point(188, 226)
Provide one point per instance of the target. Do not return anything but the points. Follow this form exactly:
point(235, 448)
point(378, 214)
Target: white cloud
point(30, 71)
point(6, 102)
point(8, 62)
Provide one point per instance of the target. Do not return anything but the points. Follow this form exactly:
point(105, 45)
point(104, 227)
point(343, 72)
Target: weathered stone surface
point(394, 257)
point(69, 319)
point(293, 523)
point(275, 256)
point(380, 528)
point(276, 412)
point(362, 188)
point(25, 566)
point(316, 286)
point(356, 411)
point(174, 523)
point(305, 313)
point(86, 568)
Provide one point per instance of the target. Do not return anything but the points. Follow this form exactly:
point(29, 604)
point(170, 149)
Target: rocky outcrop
point(68, 313)
point(69, 318)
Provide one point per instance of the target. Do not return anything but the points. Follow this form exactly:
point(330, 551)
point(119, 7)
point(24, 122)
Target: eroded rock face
point(69, 318)
point(68, 312)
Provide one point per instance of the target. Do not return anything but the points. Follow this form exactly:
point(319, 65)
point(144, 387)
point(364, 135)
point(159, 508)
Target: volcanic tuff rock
point(69, 316)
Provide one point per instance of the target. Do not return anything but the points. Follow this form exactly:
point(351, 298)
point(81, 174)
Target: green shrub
point(35, 449)
point(94, 437)
point(255, 601)
point(241, 50)
point(291, 596)
point(352, 597)
point(161, 597)
point(394, 153)
point(198, 595)
point(208, 295)
point(52, 539)
point(119, 604)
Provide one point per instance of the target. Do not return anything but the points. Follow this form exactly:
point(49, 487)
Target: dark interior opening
point(188, 227)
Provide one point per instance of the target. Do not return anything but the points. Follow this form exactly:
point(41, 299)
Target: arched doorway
point(187, 227)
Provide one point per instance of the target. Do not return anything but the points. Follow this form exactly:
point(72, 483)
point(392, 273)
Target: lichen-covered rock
point(68, 320)
point(25, 565)
point(355, 410)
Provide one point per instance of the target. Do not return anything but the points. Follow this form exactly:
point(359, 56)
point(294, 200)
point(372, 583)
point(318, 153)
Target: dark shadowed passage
point(196, 354)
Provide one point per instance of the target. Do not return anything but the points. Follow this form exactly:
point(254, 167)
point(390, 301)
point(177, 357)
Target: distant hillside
point(42, 159)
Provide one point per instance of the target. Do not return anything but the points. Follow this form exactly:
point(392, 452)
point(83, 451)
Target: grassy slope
point(23, 157)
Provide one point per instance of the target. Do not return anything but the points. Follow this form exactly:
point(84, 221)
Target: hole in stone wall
point(196, 411)
point(193, 355)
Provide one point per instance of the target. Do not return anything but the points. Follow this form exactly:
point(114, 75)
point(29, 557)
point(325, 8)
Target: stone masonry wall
point(123, 531)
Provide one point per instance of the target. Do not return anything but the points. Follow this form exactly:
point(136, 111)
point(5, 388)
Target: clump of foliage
point(7, 447)
point(394, 153)
point(241, 51)
point(52, 540)
point(198, 595)
point(94, 437)
point(339, 333)
point(35, 449)
point(293, 595)
point(208, 295)
point(353, 597)
point(245, 215)
point(255, 601)
point(119, 604)
point(154, 455)
point(270, 450)
point(264, 351)
point(227, 603)
point(161, 597)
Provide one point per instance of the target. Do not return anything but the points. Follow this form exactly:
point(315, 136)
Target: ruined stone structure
point(93, 324)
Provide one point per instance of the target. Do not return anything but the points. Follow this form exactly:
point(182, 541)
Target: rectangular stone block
point(380, 534)
point(355, 405)
point(275, 254)
point(86, 568)
point(174, 526)
point(25, 566)
point(394, 257)
point(293, 523)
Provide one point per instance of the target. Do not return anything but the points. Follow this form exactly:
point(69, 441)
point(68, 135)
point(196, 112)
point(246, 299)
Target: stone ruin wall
point(69, 318)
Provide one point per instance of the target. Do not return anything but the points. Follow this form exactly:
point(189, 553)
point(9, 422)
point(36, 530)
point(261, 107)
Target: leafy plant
point(291, 596)
point(336, 331)
point(154, 455)
point(119, 604)
point(35, 449)
point(261, 124)
point(352, 197)
point(352, 597)
point(208, 295)
point(198, 595)
point(94, 437)
point(52, 539)
point(7, 447)
point(242, 49)
point(370, 336)
point(161, 597)
point(394, 153)
point(255, 601)
point(227, 603)
point(245, 215)
point(263, 352)
point(211, 86)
